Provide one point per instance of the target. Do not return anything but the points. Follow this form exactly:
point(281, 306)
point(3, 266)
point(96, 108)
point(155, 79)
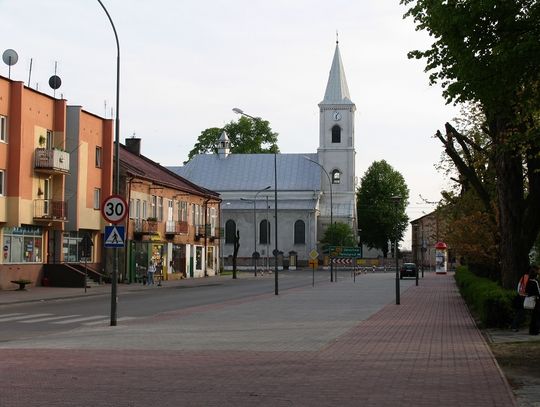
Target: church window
point(230, 231)
point(264, 232)
point(336, 177)
point(299, 232)
point(336, 134)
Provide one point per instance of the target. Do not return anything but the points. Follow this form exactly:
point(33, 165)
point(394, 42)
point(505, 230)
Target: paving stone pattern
point(326, 346)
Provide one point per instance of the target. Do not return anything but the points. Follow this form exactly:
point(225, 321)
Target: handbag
point(530, 302)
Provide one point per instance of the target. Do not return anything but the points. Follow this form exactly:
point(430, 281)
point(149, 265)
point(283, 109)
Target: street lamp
point(396, 199)
point(254, 200)
point(276, 287)
point(114, 299)
point(331, 211)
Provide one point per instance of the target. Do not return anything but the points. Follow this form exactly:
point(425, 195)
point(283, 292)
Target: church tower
point(336, 149)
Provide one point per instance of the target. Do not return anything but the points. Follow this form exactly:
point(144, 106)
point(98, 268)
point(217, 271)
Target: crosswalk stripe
point(30, 321)
point(11, 315)
point(74, 320)
point(21, 317)
point(106, 321)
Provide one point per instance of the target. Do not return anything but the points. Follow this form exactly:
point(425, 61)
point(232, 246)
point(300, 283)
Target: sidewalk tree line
point(488, 54)
point(378, 216)
point(247, 136)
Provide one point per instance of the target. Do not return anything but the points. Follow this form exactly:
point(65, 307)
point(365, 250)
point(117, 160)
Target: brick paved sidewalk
point(424, 352)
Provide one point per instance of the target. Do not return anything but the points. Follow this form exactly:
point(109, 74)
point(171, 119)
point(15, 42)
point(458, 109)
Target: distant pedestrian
point(534, 290)
point(521, 293)
point(150, 273)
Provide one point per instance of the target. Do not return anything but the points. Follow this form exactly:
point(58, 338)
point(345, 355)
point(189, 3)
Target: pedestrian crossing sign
point(114, 236)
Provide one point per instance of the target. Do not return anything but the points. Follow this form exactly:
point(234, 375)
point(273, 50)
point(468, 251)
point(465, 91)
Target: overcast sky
point(186, 63)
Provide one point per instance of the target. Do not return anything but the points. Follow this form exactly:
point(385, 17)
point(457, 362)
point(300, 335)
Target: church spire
point(337, 91)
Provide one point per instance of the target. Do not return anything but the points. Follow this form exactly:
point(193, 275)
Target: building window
point(336, 134)
point(160, 208)
point(73, 247)
point(131, 209)
point(230, 231)
point(50, 138)
point(144, 209)
point(183, 211)
point(264, 232)
point(23, 244)
point(2, 183)
point(299, 232)
point(97, 198)
point(98, 157)
point(138, 209)
point(336, 177)
point(3, 128)
point(153, 207)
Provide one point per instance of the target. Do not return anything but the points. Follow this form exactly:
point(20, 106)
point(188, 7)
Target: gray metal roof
point(252, 172)
point(337, 91)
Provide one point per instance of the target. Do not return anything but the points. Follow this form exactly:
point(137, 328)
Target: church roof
point(337, 91)
point(252, 172)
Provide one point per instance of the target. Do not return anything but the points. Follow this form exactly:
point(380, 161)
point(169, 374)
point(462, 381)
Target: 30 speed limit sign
point(114, 209)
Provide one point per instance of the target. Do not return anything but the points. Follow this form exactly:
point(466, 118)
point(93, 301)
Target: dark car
point(408, 270)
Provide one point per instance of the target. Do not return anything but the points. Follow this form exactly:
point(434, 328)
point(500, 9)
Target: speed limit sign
point(114, 209)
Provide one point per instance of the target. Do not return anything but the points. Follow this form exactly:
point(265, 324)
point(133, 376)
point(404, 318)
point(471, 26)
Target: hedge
point(487, 300)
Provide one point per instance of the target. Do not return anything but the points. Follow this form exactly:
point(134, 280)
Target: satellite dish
point(10, 57)
point(55, 82)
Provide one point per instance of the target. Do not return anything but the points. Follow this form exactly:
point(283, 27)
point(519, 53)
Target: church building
point(312, 188)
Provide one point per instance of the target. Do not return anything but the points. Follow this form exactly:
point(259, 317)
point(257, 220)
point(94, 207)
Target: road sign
point(345, 251)
point(114, 236)
point(313, 254)
point(313, 263)
point(114, 209)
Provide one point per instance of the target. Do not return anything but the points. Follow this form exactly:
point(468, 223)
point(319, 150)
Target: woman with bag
point(533, 290)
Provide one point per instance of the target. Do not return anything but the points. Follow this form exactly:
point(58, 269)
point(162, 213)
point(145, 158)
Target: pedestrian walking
point(150, 273)
point(533, 290)
point(521, 293)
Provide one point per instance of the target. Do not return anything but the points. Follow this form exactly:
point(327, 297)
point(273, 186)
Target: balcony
point(49, 210)
point(206, 231)
point(176, 228)
point(145, 227)
point(51, 161)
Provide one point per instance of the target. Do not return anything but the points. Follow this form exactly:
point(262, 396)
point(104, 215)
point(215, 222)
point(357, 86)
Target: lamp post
point(396, 200)
point(254, 200)
point(331, 211)
point(276, 252)
point(114, 287)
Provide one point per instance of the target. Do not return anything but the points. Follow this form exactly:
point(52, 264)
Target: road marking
point(20, 317)
point(11, 315)
point(74, 320)
point(106, 321)
point(30, 321)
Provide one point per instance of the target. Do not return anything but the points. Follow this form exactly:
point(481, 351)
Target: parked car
point(408, 270)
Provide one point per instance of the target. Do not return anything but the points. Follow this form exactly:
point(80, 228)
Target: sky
point(186, 63)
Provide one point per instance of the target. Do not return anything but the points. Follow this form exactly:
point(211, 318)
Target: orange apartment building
point(171, 221)
point(55, 167)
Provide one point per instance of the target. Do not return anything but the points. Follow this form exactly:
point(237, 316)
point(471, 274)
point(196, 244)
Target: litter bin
point(293, 256)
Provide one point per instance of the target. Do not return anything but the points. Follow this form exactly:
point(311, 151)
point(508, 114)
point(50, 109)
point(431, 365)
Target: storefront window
point(198, 258)
point(72, 247)
point(23, 244)
point(210, 258)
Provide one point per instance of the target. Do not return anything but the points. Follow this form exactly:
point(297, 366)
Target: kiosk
point(441, 258)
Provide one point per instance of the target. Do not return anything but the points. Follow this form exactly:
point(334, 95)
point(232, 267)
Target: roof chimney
point(133, 145)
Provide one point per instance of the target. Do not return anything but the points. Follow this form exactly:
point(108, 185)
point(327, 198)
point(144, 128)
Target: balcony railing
point(51, 160)
point(47, 209)
point(176, 227)
point(207, 230)
point(143, 226)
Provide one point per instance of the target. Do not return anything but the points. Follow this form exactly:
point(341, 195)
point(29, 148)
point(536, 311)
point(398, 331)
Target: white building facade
point(304, 191)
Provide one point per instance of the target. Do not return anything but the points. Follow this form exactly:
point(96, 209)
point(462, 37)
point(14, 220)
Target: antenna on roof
point(54, 81)
point(105, 108)
point(10, 57)
point(30, 72)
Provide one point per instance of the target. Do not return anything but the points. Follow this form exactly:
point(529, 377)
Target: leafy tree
point(378, 213)
point(488, 53)
point(339, 234)
point(247, 136)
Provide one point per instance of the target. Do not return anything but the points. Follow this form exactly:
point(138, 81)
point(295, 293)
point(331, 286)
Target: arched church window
point(299, 232)
point(264, 232)
point(230, 231)
point(336, 177)
point(336, 134)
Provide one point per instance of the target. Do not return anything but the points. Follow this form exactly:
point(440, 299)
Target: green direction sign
point(345, 251)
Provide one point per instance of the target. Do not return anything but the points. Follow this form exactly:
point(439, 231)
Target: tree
point(488, 53)
point(339, 234)
point(378, 214)
point(247, 136)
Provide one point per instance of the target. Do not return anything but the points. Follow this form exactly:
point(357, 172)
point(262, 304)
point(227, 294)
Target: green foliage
point(487, 300)
point(378, 214)
point(247, 136)
point(339, 234)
